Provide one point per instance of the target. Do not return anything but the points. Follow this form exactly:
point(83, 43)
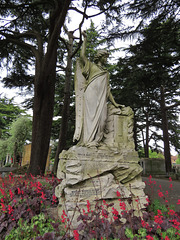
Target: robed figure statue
point(92, 94)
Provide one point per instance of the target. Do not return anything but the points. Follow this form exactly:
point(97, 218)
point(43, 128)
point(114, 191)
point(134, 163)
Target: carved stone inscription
point(88, 156)
point(85, 193)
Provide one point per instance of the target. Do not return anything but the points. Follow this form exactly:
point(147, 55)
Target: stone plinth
point(97, 174)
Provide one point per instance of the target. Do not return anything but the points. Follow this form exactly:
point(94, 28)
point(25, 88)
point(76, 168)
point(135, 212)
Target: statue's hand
point(84, 34)
point(118, 105)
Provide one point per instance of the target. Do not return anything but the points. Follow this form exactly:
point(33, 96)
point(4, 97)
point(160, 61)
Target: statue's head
point(100, 53)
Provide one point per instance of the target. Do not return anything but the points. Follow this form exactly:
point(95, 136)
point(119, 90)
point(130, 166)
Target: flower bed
point(26, 203)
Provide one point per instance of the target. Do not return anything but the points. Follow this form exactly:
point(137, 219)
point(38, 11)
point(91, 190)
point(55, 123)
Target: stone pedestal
point(95, 175)
point(98, 173)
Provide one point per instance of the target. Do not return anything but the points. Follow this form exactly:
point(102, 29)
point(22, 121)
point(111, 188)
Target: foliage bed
point(24, 214)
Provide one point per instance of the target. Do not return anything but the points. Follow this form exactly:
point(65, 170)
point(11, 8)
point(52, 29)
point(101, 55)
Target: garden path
point(173, 190)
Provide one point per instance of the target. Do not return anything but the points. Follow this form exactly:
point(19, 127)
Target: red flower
point(115, 212)
point(166, 238)
point(158, 219)
point(3, 207)
point(11, 194)
point(19, 191)
point(144, 224)
point(2, 191)
point(170, 179)
point(104, 213)
point(104, 202)
point(160, 194)
point(43, 196)
point(64, 213)
point(118, 194)
point(178, 202)
point(31, 176)
point(88, 206)
point(54, 199)
point(148, 237)
point(10, 209)
point(76, 235)
point(159, 212)
point(176, 224)
point(122, 205)
point(171, 212)
point(63, 216)
point(150, 181)
point(171, 185)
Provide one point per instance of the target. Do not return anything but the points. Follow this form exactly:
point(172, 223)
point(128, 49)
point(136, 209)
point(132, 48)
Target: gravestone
point(104, 160)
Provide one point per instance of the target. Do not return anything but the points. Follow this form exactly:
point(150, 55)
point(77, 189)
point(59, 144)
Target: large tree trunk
point(65, 110)
point(42, 118)
point(167, 153)
point(44, 93)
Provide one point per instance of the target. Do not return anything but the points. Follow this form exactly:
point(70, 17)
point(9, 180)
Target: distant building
point(27, 155)
point(173, 159)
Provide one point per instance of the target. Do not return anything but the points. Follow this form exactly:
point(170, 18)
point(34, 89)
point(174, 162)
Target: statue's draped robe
point(95, 95)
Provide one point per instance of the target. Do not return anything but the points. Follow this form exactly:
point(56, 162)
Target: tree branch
point(172, 106)
point(90, 16)
point(22, 44)
point(64, 41)
point(80, 33)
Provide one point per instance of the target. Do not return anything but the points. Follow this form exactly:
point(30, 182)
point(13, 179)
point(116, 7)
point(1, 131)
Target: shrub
point(38, 226)
point(24, 198)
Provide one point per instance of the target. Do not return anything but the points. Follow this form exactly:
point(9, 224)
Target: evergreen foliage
point(8, 112)
point(20, 132)
point(151, 64)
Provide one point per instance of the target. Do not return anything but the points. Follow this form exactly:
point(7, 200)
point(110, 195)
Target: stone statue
point(104, 161)
point(92, 93)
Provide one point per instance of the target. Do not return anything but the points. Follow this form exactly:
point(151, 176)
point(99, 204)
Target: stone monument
point(104, 160)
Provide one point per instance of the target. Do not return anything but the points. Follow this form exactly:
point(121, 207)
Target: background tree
point(19, 133)
point(178, 160)
point(44, 21)
point(139, 13)
point(39, 46)
point(151, 76)
point(8, 112)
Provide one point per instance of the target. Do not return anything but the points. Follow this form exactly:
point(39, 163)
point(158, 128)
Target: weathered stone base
point(97, 174)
